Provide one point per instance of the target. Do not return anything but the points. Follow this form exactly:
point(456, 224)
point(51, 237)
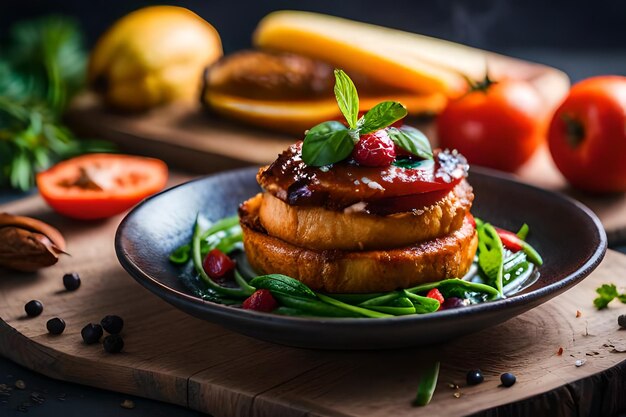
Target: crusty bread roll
point(338, 271)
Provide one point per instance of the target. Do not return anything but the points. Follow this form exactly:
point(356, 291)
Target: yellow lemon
point(153, 56)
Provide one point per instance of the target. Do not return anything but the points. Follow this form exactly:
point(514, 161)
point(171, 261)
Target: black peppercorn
point(112, 324)
point(91, 333)
point(55, 325)
point(621, 320)
point(474, 377)
point(33, 308)
point(71, 281)
point(113, 343)
point(507, 379)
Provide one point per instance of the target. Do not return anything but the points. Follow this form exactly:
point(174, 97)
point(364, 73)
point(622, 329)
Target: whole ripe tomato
point(96, 186)
point(497, 124)
point(587, 135)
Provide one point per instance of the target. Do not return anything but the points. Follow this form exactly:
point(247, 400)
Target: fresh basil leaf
point(283, 284)
point(327, 143)
point(380, 116)
point(347, 97)
point(411, 140)
point(606, 294)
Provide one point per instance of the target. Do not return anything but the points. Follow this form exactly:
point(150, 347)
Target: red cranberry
point(261, 300)
point(452, 302)
point(435, 294)
point(374, 150)
point(218, 265)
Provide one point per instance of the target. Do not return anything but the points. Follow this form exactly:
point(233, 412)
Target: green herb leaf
point(380, 116)
point(327, 143)
point(347, 97)
point(606, 294)
point(283, 284)
point(411, 140)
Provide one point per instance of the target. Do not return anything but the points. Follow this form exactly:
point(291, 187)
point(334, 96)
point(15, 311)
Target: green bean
point(380, 300)
point(400, 306)
point(197, 263)
point(348, 307)
point(243, 284)
point(220, 225)
point(533, 255)
point(312, 307)
point(455, 282)
point(394, 311)
point(180, 255)
point(356, 298)
point(522, 233)
point(230, 242)
point(428, 383)
point(288, 311)
point(491, 254)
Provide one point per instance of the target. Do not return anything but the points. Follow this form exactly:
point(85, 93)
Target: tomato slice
point(96, 186)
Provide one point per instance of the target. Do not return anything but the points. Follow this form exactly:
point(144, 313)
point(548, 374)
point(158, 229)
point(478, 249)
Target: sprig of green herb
point(42, 67)
point(606, 294)
point(330, 142)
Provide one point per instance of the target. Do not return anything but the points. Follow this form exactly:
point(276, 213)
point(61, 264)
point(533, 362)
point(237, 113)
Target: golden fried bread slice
point(323, 229)
point(337, 271)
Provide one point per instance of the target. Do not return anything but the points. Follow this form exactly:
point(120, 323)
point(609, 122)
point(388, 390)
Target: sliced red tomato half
point(96, 186)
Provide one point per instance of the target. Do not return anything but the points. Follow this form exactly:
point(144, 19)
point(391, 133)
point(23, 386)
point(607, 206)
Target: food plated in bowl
point(359, 224)
point(360, 219)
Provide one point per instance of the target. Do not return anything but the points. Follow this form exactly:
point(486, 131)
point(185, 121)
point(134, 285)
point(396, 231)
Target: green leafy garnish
point(331, 142)
point(283, 284)
point(327, 143)
point(380, 116)
point(411, 140)
point(347, 97)
point(41, 68)
point(606, 294)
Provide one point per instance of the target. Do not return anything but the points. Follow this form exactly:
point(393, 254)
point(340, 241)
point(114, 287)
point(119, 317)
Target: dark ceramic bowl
point(567, 234)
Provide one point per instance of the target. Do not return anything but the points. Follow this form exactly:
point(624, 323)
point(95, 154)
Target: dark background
point(581, 37)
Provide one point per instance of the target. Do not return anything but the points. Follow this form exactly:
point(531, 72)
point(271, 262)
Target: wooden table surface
point(173, 357)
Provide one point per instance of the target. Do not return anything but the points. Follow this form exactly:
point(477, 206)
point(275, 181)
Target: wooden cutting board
point(173, 357)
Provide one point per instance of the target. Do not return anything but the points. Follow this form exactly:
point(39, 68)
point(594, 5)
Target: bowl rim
point(159, 288)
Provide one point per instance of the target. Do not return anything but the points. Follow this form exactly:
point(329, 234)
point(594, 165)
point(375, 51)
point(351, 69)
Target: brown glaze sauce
point(344, 184)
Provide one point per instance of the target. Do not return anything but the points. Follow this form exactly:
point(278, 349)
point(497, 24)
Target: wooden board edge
point(48, 360)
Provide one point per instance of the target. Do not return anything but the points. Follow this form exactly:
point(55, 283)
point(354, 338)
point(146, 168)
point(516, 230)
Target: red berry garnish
point(218, 265)
point(261, 300)
point(374, 150)
point(435, 294)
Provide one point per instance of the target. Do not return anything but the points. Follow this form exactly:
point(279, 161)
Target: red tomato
point(587, 135)
point(497, 124)
point(218, 265)
point(96, 186)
